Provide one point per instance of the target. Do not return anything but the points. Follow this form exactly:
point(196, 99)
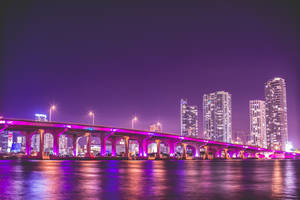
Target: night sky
point(120, 59)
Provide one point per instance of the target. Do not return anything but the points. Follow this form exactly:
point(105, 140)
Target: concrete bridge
point(192, 148)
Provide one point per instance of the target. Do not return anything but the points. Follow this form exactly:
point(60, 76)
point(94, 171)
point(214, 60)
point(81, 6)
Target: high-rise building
point(276, 114)
point(156, 127)
point(189, 119)
point(217, 116)
point(257, 123)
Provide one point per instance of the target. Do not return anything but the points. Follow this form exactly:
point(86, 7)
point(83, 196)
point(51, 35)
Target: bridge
point(199, 148)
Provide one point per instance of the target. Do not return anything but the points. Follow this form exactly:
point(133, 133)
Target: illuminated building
point(63, 145)
point(40, 117)
point(48, 143)
point(217, 116)
point(35, 139)
point(257, 123)
point(156, 127)
point(189, 119)
point(276, 114)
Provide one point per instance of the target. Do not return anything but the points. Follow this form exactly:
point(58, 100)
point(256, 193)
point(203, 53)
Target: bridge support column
point(227, 156)
point(74, 141)
point(113, 147)
point(141, 147)
point(56, 135)
point(56, 144)
point(206, 153)
point(184, 150)
point(230, 154)
point(103, 145)
point(197, 152)
point(219, 153)
point(28, 143)
point(145, 148)
point(42, 133)
point(126, 146)
point(88, 144)
point(157, 149)
point(241, 154)
point(172, 149)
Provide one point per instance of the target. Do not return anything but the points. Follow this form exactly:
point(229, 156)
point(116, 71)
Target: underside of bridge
point(117, 143)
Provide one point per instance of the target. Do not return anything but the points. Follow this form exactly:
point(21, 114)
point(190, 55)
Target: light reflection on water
point(252, 179)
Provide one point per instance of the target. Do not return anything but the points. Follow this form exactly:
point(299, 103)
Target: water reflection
point(252, 179)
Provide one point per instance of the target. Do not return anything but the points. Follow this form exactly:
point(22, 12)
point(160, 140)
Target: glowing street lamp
point(133, 121)
point(52, 108)
point(92, 114)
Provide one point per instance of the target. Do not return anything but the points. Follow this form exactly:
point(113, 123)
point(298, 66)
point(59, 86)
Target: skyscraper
point(217, 116)
point(189, 119)
point(257, 123)
point(276, 114)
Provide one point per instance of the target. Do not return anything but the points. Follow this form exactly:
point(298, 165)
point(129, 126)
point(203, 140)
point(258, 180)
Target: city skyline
point(143, 63)
point(185, 107)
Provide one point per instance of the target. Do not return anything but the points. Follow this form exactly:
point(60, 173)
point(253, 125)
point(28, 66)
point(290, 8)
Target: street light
point(92, 114)
point(52, 108)
point(133, 121)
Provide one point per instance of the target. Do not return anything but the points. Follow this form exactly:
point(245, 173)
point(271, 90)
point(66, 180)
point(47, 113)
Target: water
point(251, 179)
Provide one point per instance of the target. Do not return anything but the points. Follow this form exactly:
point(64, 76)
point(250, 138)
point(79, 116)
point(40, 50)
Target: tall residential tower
point(257, 113)
point(276, 114)
point(189, 119)
point(217, 116)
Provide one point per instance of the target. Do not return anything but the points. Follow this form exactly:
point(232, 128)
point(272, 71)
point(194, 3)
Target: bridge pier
point(28, 136)
point(74, 141)
point(141, 146)
point(184, 151)
point(56, 135)
point(113, 146)
point(103, 145)
point(197, 151)
point(172, 149)
point(88, 144)
point(126, 146)
point(230, 154)
point(41, 153)
point(157, 149)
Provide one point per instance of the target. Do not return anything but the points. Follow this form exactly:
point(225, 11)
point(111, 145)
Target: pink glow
point(19, 124)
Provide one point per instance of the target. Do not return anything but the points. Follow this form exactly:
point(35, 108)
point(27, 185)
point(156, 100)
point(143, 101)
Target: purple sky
point(125, 59)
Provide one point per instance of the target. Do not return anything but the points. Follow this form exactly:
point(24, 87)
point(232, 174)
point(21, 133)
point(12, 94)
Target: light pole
point(92, 114)
point(52, 108)
point(133, 121)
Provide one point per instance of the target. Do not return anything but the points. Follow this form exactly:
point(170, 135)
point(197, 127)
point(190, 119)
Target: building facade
point(276, 114)
point(217, 122)
point(157, 127)
point(188, 119)
point(257, 113)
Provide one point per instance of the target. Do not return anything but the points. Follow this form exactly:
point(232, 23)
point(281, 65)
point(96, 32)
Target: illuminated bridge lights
point(18, 125)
